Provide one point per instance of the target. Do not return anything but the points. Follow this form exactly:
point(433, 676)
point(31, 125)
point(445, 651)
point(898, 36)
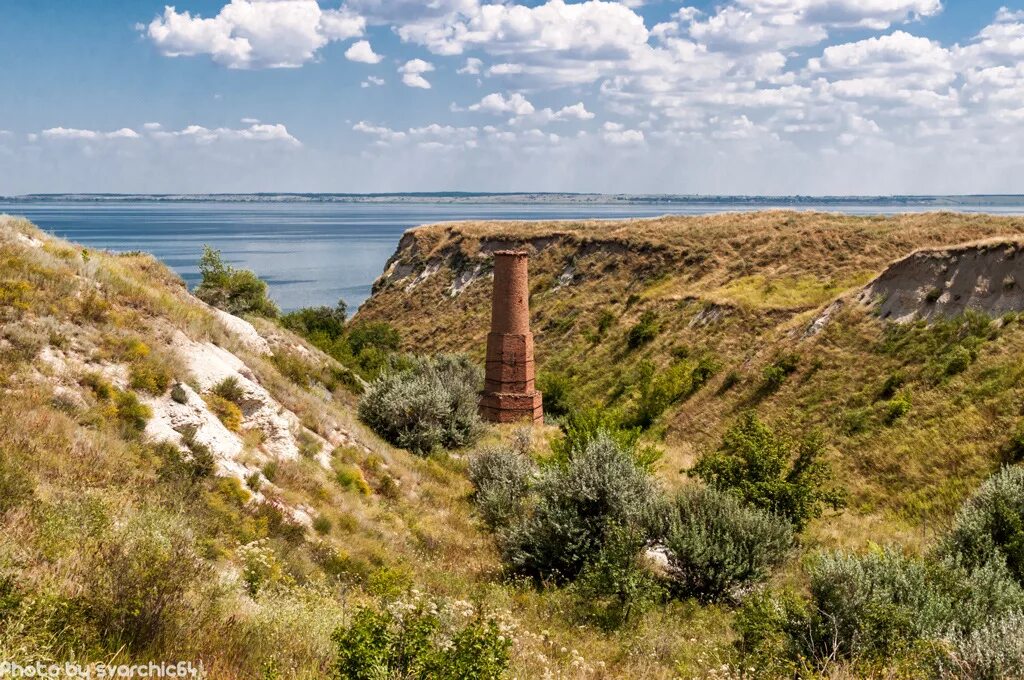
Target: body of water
point(314, 253)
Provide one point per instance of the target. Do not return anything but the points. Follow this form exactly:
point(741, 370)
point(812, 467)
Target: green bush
point(501, 478)
point(940, 347)
point(557, 390)
point(896, 409)
point(775, 374)
point(645, 330)
point(429, 405)
point(574, 507)
point(321, 325)
point(375, 335)
point(581, 427)
point(771, 471)
point(719, 548)
point(654, 390)
point(420, 641)
point(236, 291)
point(179, 394)
point(131, 413)
point(616, 586)
point(990, 525)
point(229, 389)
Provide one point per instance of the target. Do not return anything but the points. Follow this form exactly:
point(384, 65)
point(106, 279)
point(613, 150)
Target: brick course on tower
point(509, 392)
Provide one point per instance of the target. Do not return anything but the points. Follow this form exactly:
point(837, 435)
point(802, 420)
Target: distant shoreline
point(951, 201)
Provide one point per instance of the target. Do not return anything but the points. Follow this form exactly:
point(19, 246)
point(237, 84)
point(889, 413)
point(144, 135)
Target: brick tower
point(509, 393)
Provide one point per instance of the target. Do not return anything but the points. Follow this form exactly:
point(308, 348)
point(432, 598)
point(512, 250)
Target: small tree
point(236, 291)
point(772, 471)
point(990, 525)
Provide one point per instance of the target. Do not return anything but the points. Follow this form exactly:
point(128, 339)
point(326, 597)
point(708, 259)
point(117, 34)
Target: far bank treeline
point(590, 514)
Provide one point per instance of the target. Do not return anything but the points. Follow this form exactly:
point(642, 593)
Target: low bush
point(421, 640)
point(137, 578)
point(581, 427)
point(616, 586)
point(885, 604)
point(775, 374)
point(896, 409)
point(772, 471)
point(502, 478)
point(993, 652)
point(654, 390)
point(719, 548)
point(229, 389)
point(645, 330)
point(236, 291)
point(131, 413)
point(226, 411)
point(990, 525)
point(320, 325)
point(431, 404)
point(557, 390)
point(149, 375)
point(576, 504)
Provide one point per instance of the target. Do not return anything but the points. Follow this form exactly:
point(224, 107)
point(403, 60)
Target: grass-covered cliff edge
point(743, 409)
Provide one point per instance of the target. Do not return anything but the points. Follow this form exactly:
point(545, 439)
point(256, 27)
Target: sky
point(809, 97)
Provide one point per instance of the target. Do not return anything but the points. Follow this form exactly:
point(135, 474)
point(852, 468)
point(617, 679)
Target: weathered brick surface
point(509, 393)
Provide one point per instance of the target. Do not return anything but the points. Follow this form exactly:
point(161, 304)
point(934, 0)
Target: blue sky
point(737, 96)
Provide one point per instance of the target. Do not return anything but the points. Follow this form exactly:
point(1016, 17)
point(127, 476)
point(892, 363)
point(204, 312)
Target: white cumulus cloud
point(255, 33)
point(362, 51)
point(412, 73)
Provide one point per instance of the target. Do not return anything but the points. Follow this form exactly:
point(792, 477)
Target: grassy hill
point(180, 483)
point(742, 291)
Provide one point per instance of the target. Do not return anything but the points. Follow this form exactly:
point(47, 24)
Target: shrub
point(885, 604)
point(260, 567)
point(432, 404)
point(309, 444)
point(227, 412)
point(318, 324)
point(131, 413)
point(1014, 449)
point(376, 335)
point(605, 320)
point(149, 376)
point(179, 394)
point(582, 427)
point(772, 471)
point(990, 525)
point(616, 586)
point(645, 330)
point(718, 547)
point(898, 407)
point(229, 389)
point(576, 504)
point(992, 652)
point(351, 477)
point(775, 374)
point(137, 578)
point(656, 390)
point(236, 291)
point(322, 525)
point(501, 478)
point(557, 390)
point(421, 640)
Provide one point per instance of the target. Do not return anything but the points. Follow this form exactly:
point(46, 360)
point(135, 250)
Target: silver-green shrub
point(576, 504)
point(430, 403)
point(990, 525)
point(992, 652)
point(502, 478)
point(718, 547)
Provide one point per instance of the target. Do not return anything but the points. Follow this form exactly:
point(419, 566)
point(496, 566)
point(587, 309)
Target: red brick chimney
point(509, 393)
